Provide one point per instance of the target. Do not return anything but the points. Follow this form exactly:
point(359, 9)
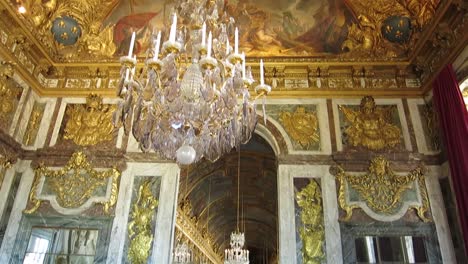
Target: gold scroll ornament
point(90, 124)
point(311, 231)
point(382, 190)
point(74, 184)
point(371, 126)
point(139, 228)
point(302, 126)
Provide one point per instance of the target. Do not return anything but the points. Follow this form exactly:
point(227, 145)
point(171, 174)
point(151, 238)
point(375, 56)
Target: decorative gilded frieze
point(301, 126)
point(311, 231)
point(139, 228)
point(33, 124)
point(371, 126)
point(72, 186)
point(90, 124)
point(382, 192)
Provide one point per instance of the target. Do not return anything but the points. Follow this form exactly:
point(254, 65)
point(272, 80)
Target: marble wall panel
point(34, 103)
point(424, 142)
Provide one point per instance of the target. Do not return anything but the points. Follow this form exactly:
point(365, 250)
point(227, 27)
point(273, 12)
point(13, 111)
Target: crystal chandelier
point(237, 254)
point(182, 254)
point(186, 111)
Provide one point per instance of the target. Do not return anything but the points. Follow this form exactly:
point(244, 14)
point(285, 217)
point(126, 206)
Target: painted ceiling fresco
point(97, 28)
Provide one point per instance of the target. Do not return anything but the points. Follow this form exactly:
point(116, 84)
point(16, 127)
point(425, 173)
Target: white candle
point(172, 34)
point(227, 46)
point(132, 43)
point(243, 65)
point(236, 41)
point(158, 42)
point(133, 73)
point(209, 45)
point(203, 35)
point(261, 72)
point(127, 73)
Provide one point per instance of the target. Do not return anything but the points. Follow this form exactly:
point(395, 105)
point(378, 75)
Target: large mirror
point(390, 249)
point(61, 246)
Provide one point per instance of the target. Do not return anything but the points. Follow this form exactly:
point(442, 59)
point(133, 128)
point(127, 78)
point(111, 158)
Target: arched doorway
point(211, 189)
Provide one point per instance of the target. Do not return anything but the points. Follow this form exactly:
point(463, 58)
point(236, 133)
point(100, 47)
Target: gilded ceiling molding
point(90, 124)
point(73, 185)
point(371, 126)
point(139, 228)
point(382, 192)
point(301, 126)
point(196, 232)
point(311, 231)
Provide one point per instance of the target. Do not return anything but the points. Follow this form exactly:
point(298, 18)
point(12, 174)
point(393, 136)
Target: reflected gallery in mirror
point(390, 249)
point(61, 245)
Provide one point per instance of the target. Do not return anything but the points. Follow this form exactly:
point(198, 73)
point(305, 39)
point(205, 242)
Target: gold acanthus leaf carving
point(74, 184)
point(139, 228)
point(312, 231)
point(371, 127)
point(382, 190)
point(91, 124)
point(302, 126)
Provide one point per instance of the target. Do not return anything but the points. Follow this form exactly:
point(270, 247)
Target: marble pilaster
point(286, 211)
point(438, 214)
point(19, 205)
point(165, 219)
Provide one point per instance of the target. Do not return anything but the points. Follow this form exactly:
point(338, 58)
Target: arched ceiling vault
point(212, 190)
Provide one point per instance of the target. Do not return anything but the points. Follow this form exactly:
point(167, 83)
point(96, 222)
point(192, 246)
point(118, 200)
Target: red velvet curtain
point(454, 124)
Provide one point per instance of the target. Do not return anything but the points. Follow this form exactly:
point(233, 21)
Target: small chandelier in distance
point(189, 112)
point(182, 254)
point(236, 254)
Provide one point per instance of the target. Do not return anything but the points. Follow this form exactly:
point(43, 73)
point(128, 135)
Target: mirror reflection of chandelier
point(186, 111)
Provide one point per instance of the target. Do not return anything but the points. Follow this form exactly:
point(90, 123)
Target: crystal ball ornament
point(186, 155)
